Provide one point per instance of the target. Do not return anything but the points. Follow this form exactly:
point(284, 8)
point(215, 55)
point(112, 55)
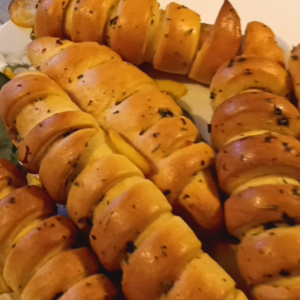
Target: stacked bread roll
point(124, 99)
point(256, 130)
point(132, 224)
point(173, 40)
point(38, 255)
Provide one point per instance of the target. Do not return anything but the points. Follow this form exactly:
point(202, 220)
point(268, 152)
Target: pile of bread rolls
point(256, 131)
point(134, 107)
point(133, 228)
point(39, 254)
point(173, 40)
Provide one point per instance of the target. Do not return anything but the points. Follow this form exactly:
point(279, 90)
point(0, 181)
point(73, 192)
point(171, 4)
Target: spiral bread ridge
point(39, 258)
point(256, 131)
point(124, 99)
point(133, 228)
point(173, 40)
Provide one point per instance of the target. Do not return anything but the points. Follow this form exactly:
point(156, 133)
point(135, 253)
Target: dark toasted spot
point(289, 220)
point(278, 111)
point(130, 247)
point(163, 250)
point(12, 200)
point(230, 65)
point(285, 273)
point(209, 128)
point(212, 96)
point(114, 21)
point(165, 113)
point(167, 192)
point(283, 121)
point(57, 296)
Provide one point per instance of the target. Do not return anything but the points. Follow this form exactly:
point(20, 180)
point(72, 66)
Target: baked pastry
point(260, 41)
point(133, 228)
point(173, 40)
point(150, 121)
point(294, 70)
point(38, 255)
point(256, 131)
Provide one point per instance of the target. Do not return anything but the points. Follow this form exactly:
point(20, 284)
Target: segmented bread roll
point(38, 260)
point(132, 224)
point(256, 133)
point(173, 40)
point(124, 99)
point(260, 41)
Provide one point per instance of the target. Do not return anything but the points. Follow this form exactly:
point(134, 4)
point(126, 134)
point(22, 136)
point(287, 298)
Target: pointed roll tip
point(43, 48)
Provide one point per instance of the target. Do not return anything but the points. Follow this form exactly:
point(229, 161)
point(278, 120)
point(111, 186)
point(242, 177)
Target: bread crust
point(261, 205)
point(122, 222)
point(130, 29)
point(95, 287)
point(260, 41)
point(178, 41)
point(250, 158)
point(49, 131)
point(49, 18)
point(60, 273)
point(92, 184)
point(10, 175)
point(53, 236)
point(89, 20)
point(171, 39)
point(157, 258)
point(249, 72)
point(221, 45)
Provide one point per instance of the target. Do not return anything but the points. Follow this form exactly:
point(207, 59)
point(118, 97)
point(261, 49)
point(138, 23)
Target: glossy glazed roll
point(39, 258)
point(173, 40)
point(126, 100)
point(256, 131)
point(132, 227)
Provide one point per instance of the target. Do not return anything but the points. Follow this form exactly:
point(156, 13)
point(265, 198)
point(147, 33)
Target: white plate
point(281, 15)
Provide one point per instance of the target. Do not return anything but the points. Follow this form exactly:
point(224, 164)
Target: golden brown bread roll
point(36, 256)
point(173, 39)
point(261, 205)
point(256, 134)
point(249, 72)
point(250, 112)
point(257, 156)
point(178, 42)
point(10, 178)
point(132, 227)
point(132, 105)
point(222, 44)
point(260, 41)
point(94, 287)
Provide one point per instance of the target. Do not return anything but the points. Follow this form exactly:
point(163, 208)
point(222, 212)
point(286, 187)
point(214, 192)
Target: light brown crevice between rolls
point(39, 258)
point(256, 131)
point(132, 227)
